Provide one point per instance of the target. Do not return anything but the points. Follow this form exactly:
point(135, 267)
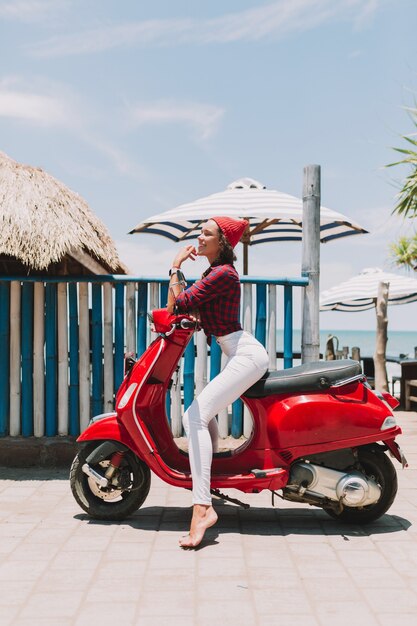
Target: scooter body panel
point(108, 427)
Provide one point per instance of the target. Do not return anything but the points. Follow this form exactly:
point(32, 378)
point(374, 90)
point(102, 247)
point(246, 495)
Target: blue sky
point(142, 106)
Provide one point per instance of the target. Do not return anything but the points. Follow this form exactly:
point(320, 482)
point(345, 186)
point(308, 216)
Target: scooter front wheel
point(121, 498)
point(373, 464)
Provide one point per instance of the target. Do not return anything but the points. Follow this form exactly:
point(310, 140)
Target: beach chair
point(410, 393)
point(368, 369)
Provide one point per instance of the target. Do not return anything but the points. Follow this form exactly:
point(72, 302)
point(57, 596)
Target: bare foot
point(204, 516)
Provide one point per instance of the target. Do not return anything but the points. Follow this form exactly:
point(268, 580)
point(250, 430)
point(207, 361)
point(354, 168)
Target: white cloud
point(31, 10)
point(203, 118)
point(273, 20)
point(367, 11)
point(53, 105)
point(147, 255)
point(43, 109)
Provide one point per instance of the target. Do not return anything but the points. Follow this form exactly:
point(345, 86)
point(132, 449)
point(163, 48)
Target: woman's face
point(208, 241)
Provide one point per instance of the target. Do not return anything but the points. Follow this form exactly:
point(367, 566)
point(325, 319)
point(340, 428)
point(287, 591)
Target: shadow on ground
point(257, 521)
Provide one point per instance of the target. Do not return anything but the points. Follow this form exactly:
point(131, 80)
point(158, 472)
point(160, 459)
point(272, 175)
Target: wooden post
point(245, 257)
point(310, 337)
point(330, 354)
point(62, 321)
point(39, 360)
point(381, 378)
point(15, 365)
point(247, 325)
point(84, 355)
point(131, 318)
point(108, 347)
point(272, 326)
point(176, 413)
point(4, 351)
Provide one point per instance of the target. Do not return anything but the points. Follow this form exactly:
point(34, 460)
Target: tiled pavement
point(292, 566)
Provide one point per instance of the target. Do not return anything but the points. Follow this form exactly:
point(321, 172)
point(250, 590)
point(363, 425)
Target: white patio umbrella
point(360, 292)
point(272, 216)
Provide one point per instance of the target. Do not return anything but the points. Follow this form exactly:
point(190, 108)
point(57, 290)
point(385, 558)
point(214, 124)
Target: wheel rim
point(107, 494)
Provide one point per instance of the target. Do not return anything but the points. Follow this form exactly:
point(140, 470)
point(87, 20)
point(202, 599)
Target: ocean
point(399, 343)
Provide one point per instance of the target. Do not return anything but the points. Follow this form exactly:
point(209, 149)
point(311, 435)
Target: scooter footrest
point(258, 473)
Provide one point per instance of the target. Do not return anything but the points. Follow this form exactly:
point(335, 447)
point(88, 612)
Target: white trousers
point(247, 361)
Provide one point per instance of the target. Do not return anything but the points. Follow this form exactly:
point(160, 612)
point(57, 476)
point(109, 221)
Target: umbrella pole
point(310, 335)
point(381, 378)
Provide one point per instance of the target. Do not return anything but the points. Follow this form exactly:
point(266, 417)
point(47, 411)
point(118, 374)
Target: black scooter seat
point(304, 378)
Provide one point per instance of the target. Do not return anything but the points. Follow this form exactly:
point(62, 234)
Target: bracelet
point(180, 282)
point(173, 270)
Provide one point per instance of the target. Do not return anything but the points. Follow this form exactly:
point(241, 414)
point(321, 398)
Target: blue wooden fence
point(62, 345)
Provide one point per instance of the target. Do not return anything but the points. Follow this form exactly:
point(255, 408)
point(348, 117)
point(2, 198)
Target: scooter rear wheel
point(374, 464)
point(118, 501)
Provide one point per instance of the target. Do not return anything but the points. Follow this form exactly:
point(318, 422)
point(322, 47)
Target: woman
point(217, 298)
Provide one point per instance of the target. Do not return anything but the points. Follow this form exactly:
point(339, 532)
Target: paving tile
point(167, 603)
point(105, 614)
point(288, 620)
point(52, 604)
point(14, 592)
point(222, 610)
point(8, 615)
point(271, 602)
point(63, 621)
point(163, 620)
point(290, 566)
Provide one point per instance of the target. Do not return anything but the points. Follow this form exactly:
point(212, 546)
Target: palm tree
point(407, 197)
point(404, 251)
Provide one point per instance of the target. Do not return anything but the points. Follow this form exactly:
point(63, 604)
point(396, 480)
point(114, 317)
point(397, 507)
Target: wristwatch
point(173, 270)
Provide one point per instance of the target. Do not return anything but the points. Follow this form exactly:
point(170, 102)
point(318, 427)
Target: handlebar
point(187, 324)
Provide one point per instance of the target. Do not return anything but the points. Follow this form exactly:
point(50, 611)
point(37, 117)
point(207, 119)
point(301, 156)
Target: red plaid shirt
point(217, 298)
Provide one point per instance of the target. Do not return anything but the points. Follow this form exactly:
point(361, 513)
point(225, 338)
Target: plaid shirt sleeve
point(215, 284)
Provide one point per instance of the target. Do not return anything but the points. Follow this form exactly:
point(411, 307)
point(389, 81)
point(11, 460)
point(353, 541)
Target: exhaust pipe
point(100, 480)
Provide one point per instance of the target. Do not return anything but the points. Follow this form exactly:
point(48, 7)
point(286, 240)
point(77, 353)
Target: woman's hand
point(175, 285)
point(189, 252)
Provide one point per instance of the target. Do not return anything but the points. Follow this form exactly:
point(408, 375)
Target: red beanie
point(232, 229)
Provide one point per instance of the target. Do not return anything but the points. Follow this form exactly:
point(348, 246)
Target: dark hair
point(226, 254)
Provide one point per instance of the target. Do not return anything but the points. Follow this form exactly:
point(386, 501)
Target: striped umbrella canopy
point(272, 216)
point(360, 292)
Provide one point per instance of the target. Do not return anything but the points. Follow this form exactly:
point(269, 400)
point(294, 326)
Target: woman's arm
point(175, 285)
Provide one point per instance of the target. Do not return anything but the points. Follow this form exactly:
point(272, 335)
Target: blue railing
point(63, 339)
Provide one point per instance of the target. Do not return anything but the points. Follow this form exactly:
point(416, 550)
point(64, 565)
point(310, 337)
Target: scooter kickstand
point(217, 493)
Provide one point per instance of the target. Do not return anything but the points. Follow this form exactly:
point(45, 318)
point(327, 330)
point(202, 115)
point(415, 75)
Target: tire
point(120, 500)
point(374, 464)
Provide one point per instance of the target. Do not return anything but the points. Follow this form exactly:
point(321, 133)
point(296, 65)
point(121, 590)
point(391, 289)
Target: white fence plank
point(108, 374)
point(176, 406)
point(130, 318)
point(272, 327)
point(62, 358)
point(84, 355)
point(153, 304)
point(15, 364)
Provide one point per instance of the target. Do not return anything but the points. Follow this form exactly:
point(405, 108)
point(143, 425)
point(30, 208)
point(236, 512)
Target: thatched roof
point(42, 222)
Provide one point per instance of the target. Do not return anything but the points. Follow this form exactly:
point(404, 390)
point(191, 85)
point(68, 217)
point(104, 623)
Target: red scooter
point(320, 436)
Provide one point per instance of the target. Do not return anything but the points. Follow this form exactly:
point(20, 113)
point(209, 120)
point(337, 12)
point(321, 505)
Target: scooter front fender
point(107, 426)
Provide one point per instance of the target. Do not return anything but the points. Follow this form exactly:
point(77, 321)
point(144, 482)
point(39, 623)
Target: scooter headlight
point(389, 422)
